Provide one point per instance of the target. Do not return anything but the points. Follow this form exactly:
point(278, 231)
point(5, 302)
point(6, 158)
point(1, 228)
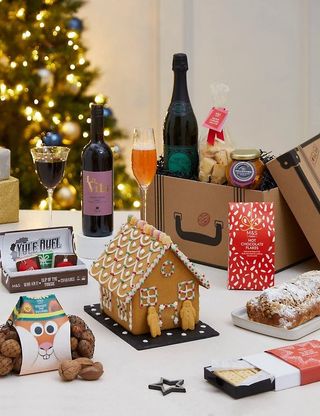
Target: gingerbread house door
point(168, 315)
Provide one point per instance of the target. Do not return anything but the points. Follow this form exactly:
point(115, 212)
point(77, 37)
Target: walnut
point(74, 343)
point(6, 365)
point(11, 348)
point(92, 372)
point(88, 336)
point(69, 370)
point(77, 330)
point(85, 348)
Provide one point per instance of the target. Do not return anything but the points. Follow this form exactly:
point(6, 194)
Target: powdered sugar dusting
point(288, 301)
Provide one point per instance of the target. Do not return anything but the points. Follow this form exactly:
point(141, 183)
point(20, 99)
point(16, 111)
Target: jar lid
point(245, 154)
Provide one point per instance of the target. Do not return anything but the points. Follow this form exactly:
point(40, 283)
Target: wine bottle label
point(242, 173)
point(180, 108)
point(97, 193)
point(181, 160)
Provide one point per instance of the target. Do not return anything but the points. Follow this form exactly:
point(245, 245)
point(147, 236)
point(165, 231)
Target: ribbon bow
point(45, 259)
point(250, 223)
point(213, 134)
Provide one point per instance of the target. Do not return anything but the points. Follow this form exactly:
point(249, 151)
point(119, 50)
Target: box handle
point(198, 237)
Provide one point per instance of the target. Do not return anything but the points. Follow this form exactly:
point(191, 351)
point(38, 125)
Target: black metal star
point(176, 386)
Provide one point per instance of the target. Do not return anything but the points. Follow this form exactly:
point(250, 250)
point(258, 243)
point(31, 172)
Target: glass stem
point(143, 192)
point(50, 193)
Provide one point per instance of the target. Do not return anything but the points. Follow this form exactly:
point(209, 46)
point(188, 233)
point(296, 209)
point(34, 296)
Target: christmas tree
point(44, 79)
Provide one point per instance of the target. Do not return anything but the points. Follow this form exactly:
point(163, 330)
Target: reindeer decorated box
point(195, 215)
point(44, 333)
point(40, 259)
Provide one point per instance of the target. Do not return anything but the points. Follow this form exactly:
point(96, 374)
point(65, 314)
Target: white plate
point(240, 318)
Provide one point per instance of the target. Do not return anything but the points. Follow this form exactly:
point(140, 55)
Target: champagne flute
point(144, 162)
point(49, 163)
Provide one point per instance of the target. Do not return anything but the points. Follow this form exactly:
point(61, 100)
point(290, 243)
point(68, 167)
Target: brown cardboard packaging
point(195, 215)
point(297, 174)
point(9, 200)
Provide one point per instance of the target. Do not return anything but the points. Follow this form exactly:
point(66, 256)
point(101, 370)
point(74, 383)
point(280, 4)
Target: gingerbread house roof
point(132, 255)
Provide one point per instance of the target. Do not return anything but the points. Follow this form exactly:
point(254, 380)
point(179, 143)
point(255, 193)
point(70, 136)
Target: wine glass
point(144, 162)
point(49, 163)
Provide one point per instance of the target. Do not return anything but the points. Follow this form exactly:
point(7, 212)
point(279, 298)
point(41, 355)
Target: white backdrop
point(268, 51)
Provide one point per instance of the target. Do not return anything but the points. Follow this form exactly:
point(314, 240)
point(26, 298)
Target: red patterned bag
point(251, 245)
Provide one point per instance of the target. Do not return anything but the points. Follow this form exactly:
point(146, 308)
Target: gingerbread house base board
point(144, 342)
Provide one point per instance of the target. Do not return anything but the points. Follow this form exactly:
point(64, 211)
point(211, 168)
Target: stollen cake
point(288, 305)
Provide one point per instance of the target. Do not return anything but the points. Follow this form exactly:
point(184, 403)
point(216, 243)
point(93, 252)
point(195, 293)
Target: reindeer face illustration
point(44, 336)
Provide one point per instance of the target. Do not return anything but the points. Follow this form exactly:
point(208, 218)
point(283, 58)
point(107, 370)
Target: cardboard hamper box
point(23, 245)
point(195, 215)
point(297, 173)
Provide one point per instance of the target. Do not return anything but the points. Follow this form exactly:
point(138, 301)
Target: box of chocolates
point(275, 369)
point(251, 245)
point(40, 259)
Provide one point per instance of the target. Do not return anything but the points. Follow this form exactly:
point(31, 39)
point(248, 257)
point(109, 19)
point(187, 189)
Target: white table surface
point(123, 388)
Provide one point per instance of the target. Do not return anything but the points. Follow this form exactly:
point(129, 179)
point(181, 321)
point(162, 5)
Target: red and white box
point(276, 369)
point(251, 264)
point(291, 366)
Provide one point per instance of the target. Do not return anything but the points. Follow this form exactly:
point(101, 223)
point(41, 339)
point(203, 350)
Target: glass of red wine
point(49, 163)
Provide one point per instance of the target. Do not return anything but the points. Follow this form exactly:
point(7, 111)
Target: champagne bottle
point(180, 130)
point(97, 180)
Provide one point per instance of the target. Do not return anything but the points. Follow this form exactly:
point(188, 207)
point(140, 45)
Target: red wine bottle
point(97, 180)
point(180, 130)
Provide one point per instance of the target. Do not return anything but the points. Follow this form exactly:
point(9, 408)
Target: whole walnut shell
point(88, 336)
point(76, 320)
point(85, 348)
point(69, 370)
point(6, 365)
point(10, 348)
point(91, 373)
point(12, 334)
point(77, 330)
point(2, 338)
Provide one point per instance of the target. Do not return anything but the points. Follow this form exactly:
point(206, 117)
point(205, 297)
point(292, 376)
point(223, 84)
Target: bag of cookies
point(215, 144)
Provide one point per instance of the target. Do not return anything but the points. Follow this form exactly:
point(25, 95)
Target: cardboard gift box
point(297, 174)
point(44, 333)
point(276, 369)
point(195, 215)
point(17, 245)
point(9, 200)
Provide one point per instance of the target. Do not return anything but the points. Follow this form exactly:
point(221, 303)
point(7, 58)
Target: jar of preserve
point(245, 169)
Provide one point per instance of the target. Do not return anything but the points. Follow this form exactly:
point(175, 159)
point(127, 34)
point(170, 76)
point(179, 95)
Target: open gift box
point(195, 215)
point(17, 245)
point(276, 369)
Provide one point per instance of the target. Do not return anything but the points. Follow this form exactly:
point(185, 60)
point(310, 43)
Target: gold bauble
point(65, 195)
point(70, 130)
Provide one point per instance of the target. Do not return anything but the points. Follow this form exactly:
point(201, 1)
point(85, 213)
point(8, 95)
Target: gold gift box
point(9, 200)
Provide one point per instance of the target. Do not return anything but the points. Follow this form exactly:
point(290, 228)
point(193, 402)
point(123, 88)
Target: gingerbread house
point(147, 284)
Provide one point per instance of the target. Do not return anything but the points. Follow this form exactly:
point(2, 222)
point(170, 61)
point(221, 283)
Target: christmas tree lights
point(44, 79)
